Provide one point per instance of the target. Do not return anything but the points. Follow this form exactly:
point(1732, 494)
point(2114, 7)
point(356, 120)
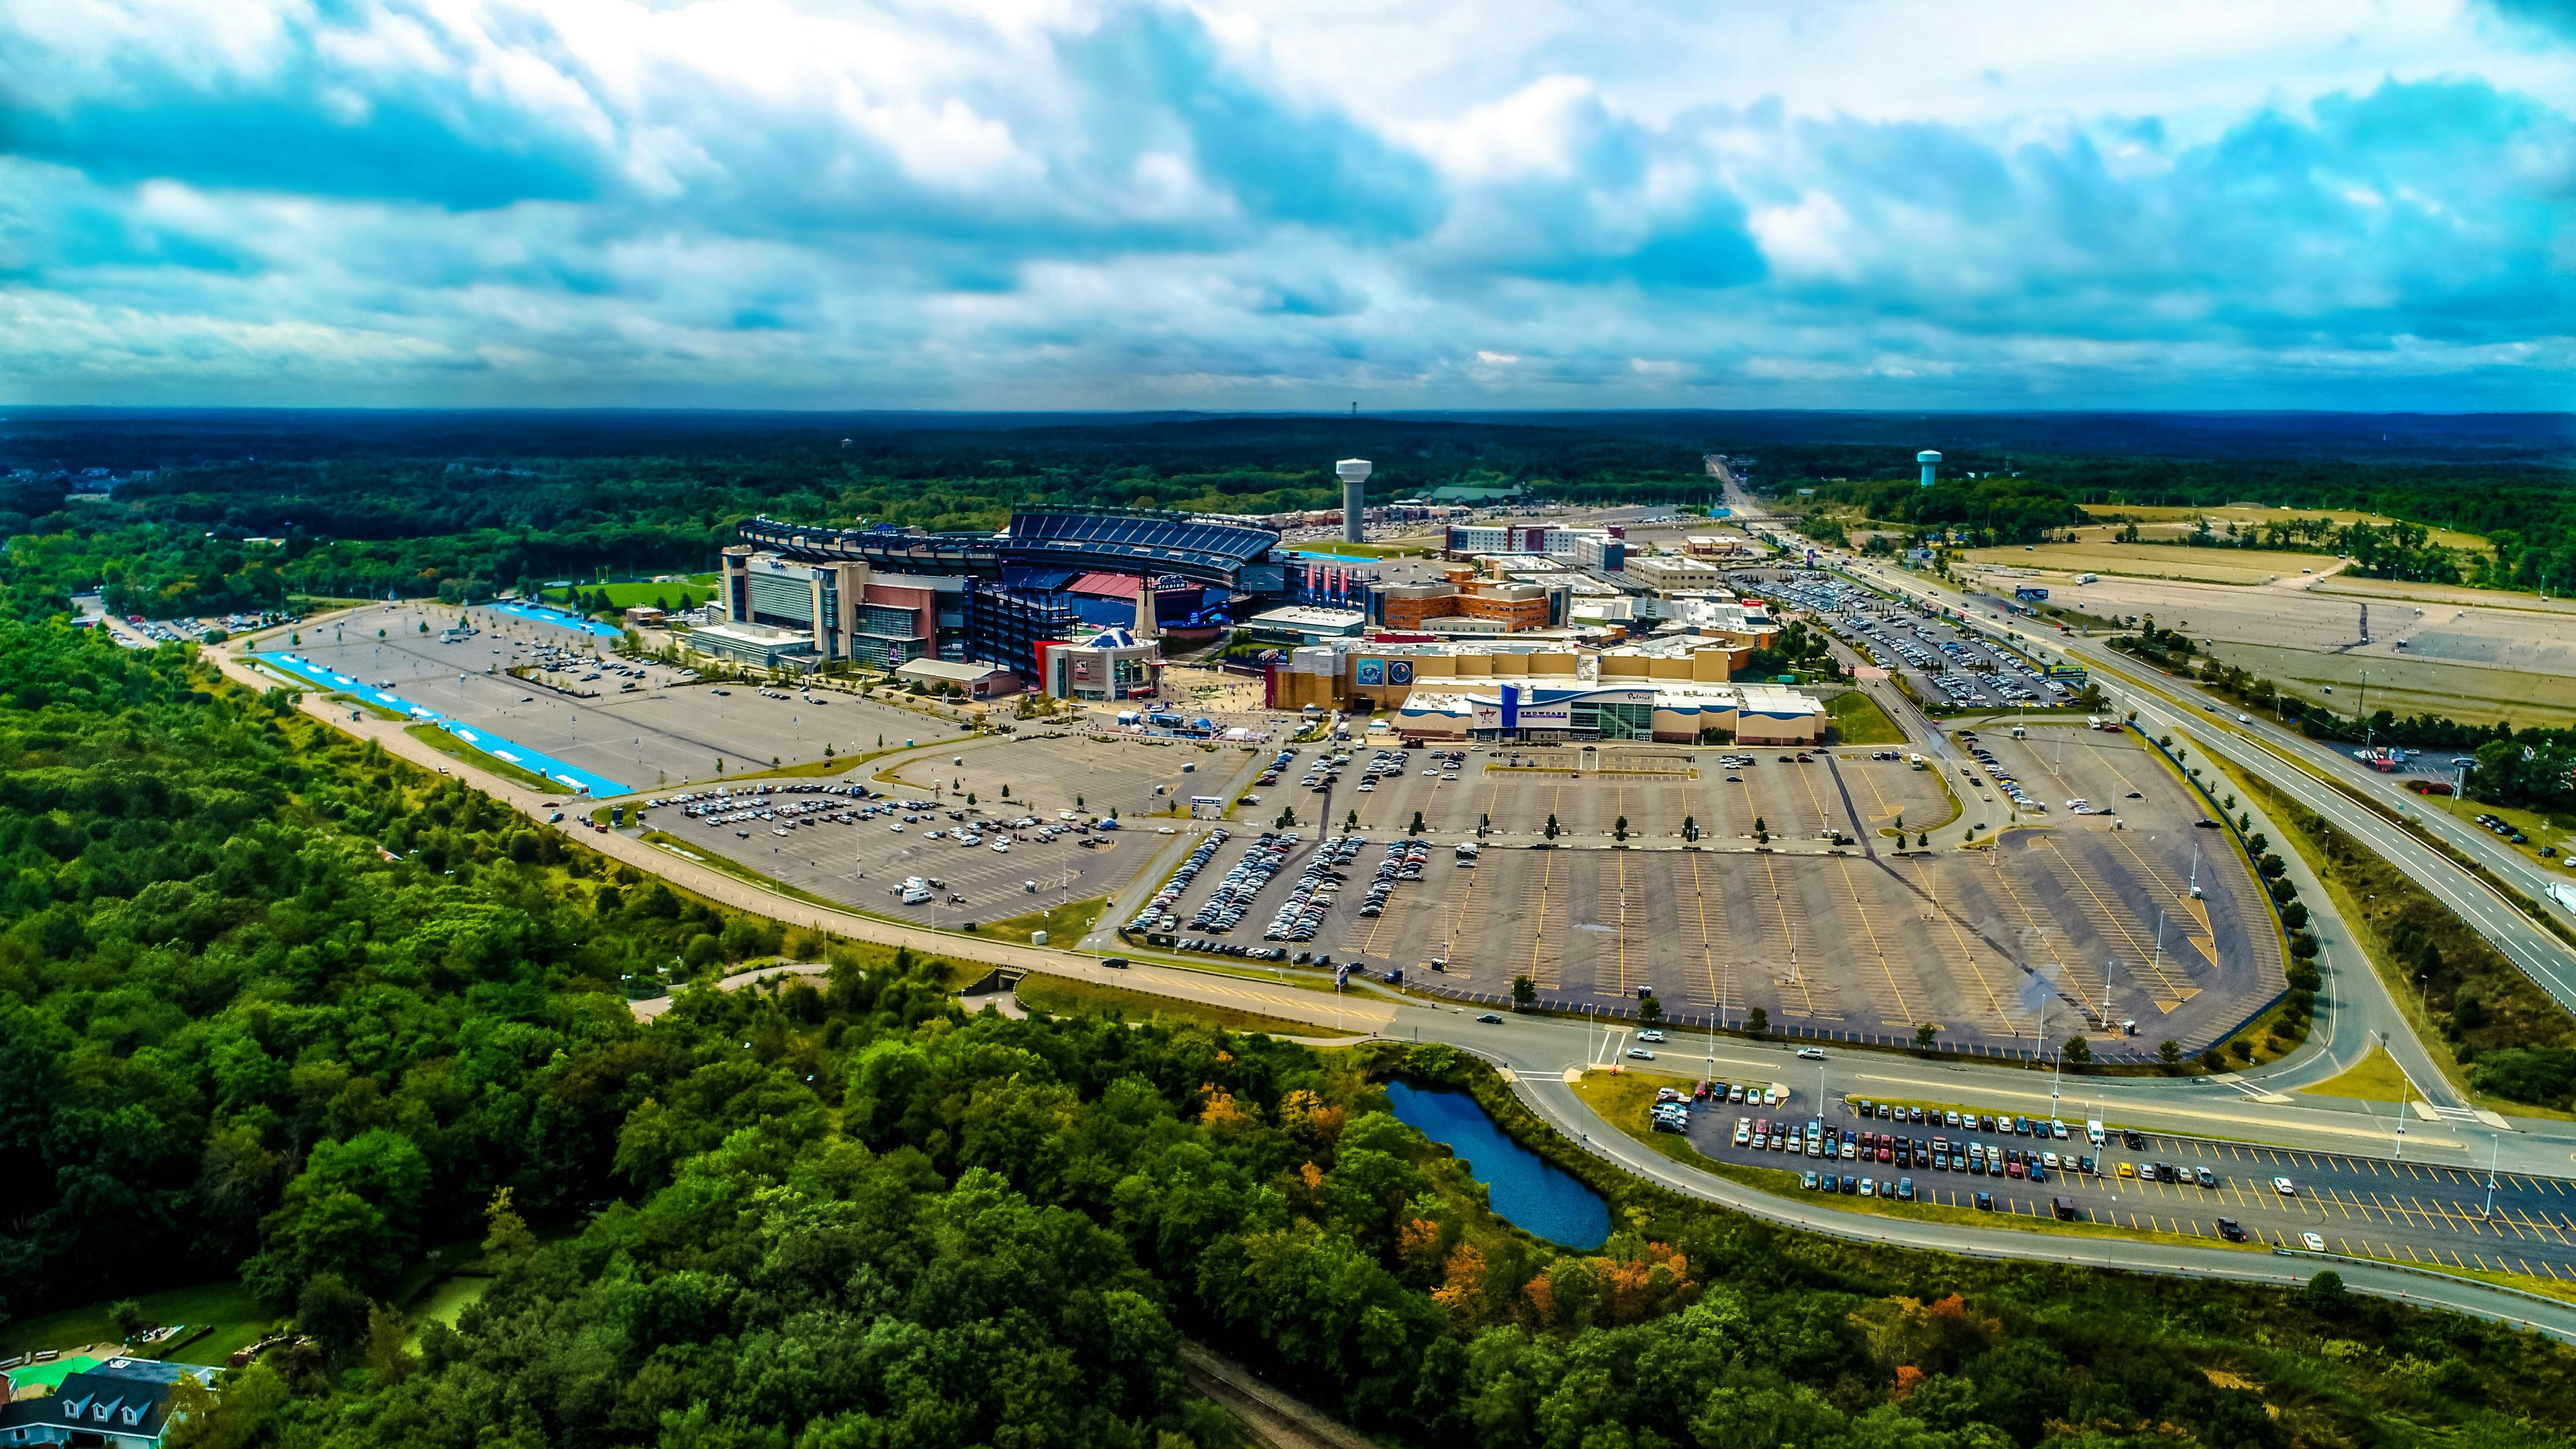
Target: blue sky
point(1088, 203)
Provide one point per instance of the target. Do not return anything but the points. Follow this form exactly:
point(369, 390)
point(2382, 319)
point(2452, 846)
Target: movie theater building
point(1525, 712)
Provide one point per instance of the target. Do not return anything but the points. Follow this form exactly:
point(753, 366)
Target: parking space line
point(1538, 933)
point(1718, 991)
point(2104, 911)
point(1967, 957)
point(1788, 934)
point(1904, 1010)
point(2044, 933)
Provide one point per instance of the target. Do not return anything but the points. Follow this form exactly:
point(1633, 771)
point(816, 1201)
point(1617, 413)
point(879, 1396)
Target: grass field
point(456, 749)
point(2375, 1078)
point(699, 589)
point(443, 1300)
point(2180, 520)
point(697, 853)
point(2412, 686)
point(1067, 997)
point(1064, 924)
point(1858, 720)
point(2154, 561)
point(236, 1317)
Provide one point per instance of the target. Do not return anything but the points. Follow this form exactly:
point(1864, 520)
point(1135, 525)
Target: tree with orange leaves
point(1462, 1290)
point(1219, 1111)
point(1538, 1298)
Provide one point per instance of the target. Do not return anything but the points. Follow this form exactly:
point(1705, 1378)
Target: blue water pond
point(1525, 1189)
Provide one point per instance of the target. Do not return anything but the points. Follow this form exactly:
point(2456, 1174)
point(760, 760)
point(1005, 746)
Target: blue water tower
point(1931, 462)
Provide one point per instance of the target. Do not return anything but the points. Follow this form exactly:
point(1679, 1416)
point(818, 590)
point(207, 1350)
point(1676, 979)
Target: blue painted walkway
point(594, 784)
point(556, 617)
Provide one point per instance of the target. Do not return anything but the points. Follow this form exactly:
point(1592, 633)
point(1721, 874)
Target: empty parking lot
point(2068, 923)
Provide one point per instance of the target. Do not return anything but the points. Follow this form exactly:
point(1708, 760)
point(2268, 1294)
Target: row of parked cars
point(1302, 914)
point(1225, 906)
point(2003, 778)
point(1156, 916)
point(1404, 862)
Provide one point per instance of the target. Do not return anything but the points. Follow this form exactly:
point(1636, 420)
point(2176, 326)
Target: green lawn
point(1064, 924)
point(368, 706)
point(444, 1300)
point(1067, 997)
point(454, 748)
point(1857, 720)
point(235, 1316)
point(699, 589)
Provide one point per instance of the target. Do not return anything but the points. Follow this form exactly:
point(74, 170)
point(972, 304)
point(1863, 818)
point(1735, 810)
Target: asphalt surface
point(1538, 1052)
point(2367, 1014)
point(2384, 1208)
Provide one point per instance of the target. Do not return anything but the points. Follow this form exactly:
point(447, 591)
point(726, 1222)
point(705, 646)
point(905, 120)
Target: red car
point(2016, 1169)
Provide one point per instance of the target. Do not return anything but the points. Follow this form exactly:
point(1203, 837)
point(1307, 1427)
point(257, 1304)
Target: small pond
point(1525, 1189)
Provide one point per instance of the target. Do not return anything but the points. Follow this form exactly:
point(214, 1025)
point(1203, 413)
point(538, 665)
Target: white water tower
point(1355, 476)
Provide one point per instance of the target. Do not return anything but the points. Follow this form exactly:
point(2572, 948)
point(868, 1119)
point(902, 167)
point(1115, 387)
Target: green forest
point(2526, 511)
point(276, 1007)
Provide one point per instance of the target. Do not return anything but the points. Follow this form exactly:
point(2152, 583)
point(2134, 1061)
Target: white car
point(1650, 1034)
point(1166, 830)
point(2285, 1187)
point(896, 827)
point(2315, 1244)
point(1001, 847)
point(1811, 1054)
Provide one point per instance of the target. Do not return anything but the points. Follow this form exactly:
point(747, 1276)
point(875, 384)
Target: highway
point(1539, 1052)
point(2289, 763)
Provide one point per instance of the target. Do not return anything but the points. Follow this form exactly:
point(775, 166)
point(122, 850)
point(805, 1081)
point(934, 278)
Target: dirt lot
point(2074, 915)
point(2211, 565)
point(2468, 655)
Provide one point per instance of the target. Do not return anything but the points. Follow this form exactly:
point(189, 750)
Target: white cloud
point(1116, 202)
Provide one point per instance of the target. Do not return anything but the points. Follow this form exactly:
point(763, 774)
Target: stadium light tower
point(1355, 476)
point(1931, 462)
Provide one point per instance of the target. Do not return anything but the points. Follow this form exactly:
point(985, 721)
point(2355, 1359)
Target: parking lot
point(2052, 932)
point(1048, 771)
point(2385, 1208)
point(644, 725)
point(1942, 658)
point(939, 813)
point(980, 864)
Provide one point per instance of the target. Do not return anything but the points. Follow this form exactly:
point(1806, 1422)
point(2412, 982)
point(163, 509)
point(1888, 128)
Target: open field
point(228, 1308)
point(1835, 943)
point(2158, 561)
point(2160, 521)
point(2476, 657)
point(699, 587)
point(2412, 686)
point(1858, 720)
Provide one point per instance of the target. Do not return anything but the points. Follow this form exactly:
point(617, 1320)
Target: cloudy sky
point(1288, 203)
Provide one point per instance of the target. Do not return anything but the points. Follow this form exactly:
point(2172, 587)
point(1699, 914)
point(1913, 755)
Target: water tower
point(1355, 476)
point(1931, 462)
